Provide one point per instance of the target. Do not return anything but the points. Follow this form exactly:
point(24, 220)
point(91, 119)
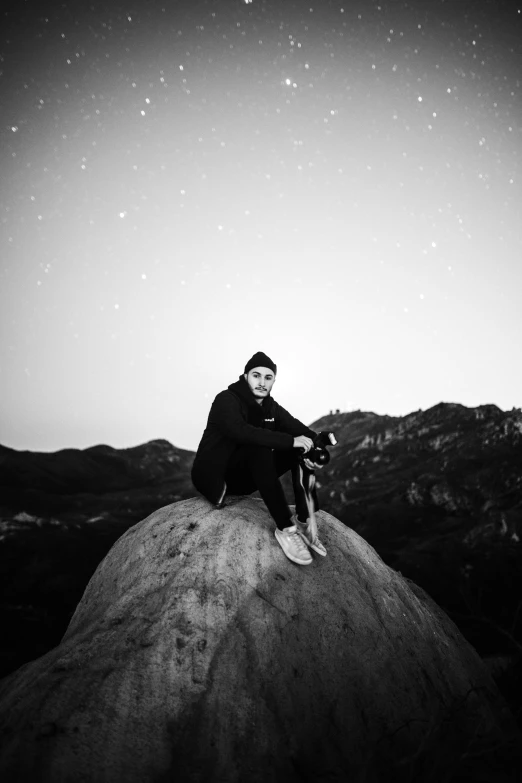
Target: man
point(249, 441)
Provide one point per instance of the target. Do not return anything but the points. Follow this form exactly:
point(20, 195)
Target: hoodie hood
point(256, 411)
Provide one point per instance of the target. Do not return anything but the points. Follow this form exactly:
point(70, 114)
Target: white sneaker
point(316, 544)
point(292, 545)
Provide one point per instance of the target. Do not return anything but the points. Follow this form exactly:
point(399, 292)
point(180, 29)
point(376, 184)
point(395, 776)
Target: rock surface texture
point(200, 653)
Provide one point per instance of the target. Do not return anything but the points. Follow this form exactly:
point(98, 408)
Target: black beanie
point(260, 359)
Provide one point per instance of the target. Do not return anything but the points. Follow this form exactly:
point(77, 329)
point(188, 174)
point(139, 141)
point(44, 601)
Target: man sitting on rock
point(249, 441)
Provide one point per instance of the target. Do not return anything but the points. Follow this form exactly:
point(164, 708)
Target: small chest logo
point(269, 419)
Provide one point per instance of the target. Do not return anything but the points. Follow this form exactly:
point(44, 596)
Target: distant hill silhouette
point(450, 460)
point(97, 469)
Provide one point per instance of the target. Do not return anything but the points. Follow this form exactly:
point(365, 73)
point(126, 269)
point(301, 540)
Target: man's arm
point(227, 417)
point(288, 423)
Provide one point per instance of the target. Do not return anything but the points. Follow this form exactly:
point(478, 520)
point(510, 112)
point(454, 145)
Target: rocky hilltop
point(199, 652)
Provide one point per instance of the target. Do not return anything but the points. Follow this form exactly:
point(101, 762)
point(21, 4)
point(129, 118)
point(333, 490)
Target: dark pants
point(253, 468)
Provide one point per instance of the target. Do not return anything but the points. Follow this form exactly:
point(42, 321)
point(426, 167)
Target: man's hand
point(302, 442)
point(311, 465)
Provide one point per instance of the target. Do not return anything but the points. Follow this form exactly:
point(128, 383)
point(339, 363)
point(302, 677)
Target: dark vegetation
point(437, 493)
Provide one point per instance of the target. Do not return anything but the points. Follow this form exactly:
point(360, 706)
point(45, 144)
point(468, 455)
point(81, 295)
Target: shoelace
point(303, 528)
point(296, 539)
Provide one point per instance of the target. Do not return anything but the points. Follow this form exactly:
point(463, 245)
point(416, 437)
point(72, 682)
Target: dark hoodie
point(235, 420)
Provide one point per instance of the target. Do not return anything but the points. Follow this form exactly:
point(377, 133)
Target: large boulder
point(200, 653)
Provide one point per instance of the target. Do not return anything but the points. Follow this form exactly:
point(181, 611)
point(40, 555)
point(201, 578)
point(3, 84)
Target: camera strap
point(305, 486)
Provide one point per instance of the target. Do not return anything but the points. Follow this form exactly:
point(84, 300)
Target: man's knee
point(258, 454)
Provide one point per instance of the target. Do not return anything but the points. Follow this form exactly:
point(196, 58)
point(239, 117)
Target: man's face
point(260, 380)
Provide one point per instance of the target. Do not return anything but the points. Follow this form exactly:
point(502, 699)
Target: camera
point(319, 454)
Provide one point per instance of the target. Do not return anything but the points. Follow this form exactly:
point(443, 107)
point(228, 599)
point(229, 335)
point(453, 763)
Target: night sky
point(183, 184)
